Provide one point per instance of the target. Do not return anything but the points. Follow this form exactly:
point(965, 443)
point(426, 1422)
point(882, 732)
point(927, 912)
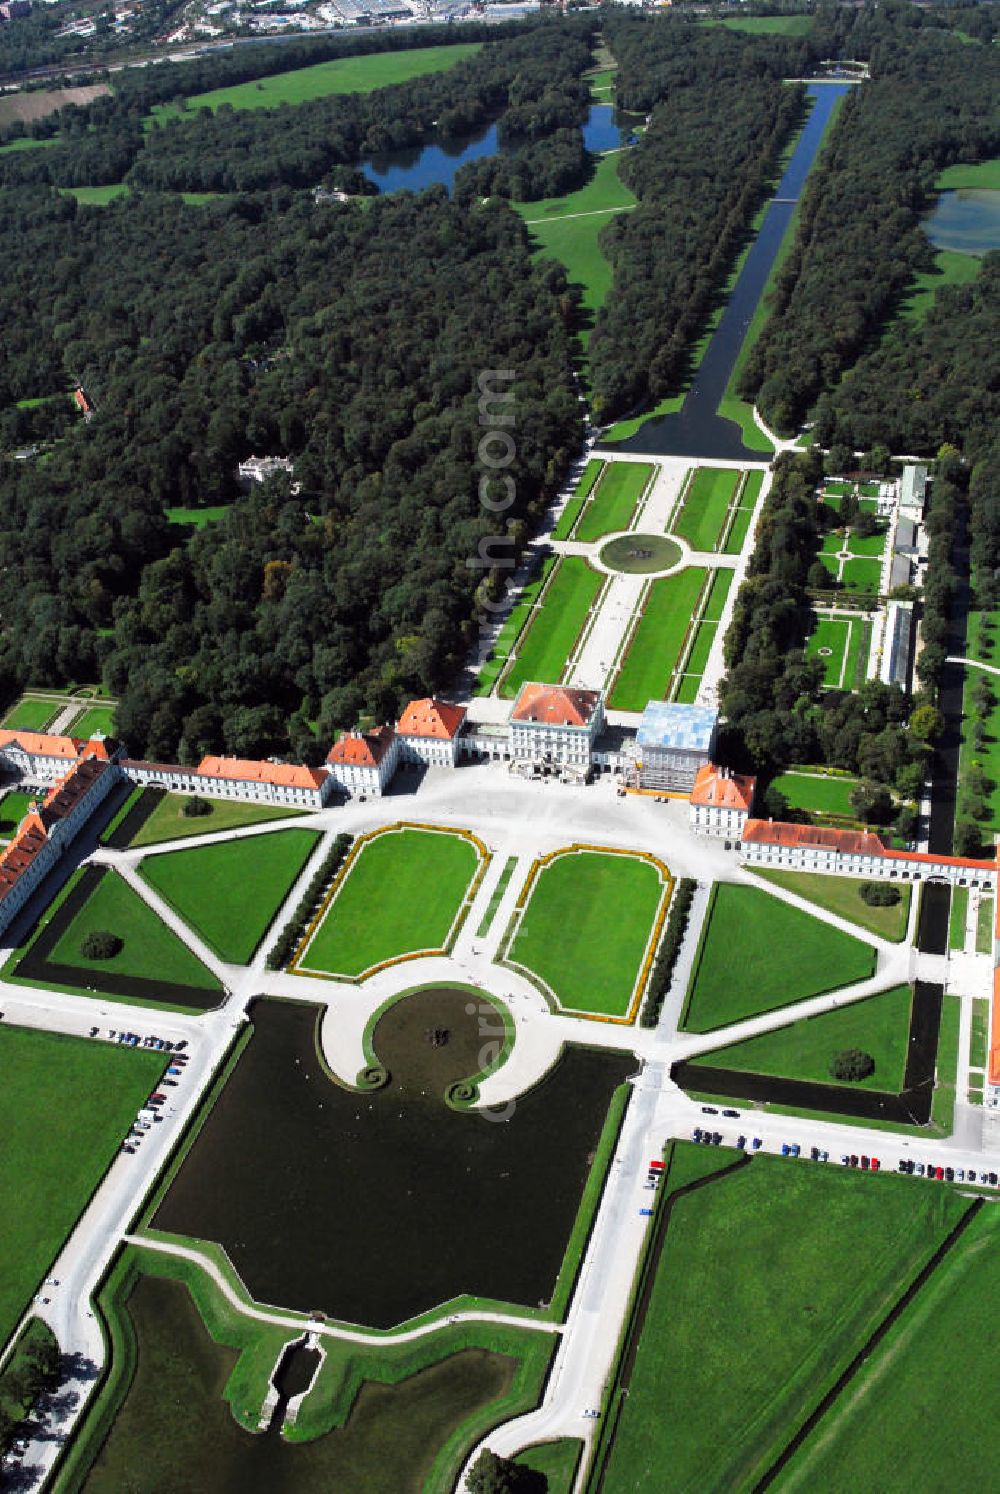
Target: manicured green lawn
point(658, 639)
point(841, 895)
point(706, 503)
point(862, 575)
point(31, 714)
point(816, 793)
point(556, 1461)
point(988, 757)
point(230, 892)
point(65, 1104)
point(571, 512)
point(718, 594)
point(549, 640)
point(871, 545)
point(402, 893)
point(168, 822)
point(93, 719)
point(613, 500)
point(879, 1026)
point(957, 917)
point(738, 531)
point(341, 75)
point(978, 1047)
point(496, 897)
point(758, 953)
point(13, 808)
point(950, 268)
point(984, 926)
point(831, 633)
point(686, 692)
point(199, 517)
point(887, 1432)
point(771, 1279)
point(701, 647)
point(586, 927)
point(511, 629)
point(151, 950)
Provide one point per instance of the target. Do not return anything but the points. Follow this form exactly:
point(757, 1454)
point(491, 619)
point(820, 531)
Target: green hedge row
point(288, 940)
point(666, 955)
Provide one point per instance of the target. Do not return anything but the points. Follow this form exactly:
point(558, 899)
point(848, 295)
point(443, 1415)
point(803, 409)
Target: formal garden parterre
point(586, 928)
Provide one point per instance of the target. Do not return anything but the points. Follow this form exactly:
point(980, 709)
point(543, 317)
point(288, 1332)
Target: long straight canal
point(697, 429)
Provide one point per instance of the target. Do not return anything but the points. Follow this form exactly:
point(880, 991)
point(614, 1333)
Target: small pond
point(436, 165)
point(375, 1207)
point(967, 221)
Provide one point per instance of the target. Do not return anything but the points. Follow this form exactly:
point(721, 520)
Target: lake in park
point(376, 1206)
point(967, 221)
point(437, 165)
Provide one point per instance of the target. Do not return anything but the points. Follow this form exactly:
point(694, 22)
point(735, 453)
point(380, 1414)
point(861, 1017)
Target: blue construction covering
point(683, 728)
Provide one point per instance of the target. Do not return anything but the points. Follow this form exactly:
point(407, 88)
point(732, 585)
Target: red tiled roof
point(779, 833)
point(33, 834)
point(720, 789)
point(362, 749)
point(40, 744)
point(848, 842)
point(431, 718)
point(249, 770)
point(552, 705)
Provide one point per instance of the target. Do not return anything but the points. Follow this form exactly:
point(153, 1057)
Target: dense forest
point(272, 325)
point(771, 696)
point(699, 175)
point(931, 103)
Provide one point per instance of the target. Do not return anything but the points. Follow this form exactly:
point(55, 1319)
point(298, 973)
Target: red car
point(939, 1173)
point(656, 1166)
point(875, 1164)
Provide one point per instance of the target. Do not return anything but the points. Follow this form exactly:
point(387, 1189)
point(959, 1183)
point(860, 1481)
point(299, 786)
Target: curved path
point(973, 664)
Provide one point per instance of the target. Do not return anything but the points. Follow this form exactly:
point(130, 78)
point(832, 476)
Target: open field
point(984, 926)
point(199, 517)
point(29, 106)
point(772, 1278)
point(879, 1026)
point(984, 175)
point(31, 713)
point(568, 229)
point(848, 640)
point(341, 75)
point(743, 517)
point(841, 895)
point(417, 881)
point(817, 793)
point(96, 196)
point(986, 758)
point(510, 630)
point(581, 493)
point(771, 25)
point(545, 647)
point(702, 517)
point(168, 822)
point(979, 1042)
point(884, 1430)
point(613, 500)
point(230, 892)
point(957, 916)
point(862, 575)
point(556, 1461)
point(27, 143)
point(586, 928)
point(815, 958)
point(151, 951)
point(657, 640)
point(65, 1104)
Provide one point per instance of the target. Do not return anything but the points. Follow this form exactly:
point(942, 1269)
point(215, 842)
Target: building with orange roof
point(49, 828)
point(362, 763)
point(855, 853)
point(39, 757)
point(721, 801)
point(553, 726)
point(255, 780)
point(429, 731)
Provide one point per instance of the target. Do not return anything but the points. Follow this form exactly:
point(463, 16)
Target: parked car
point(757, 1143)
point(709, 1110)
point(876, 1164)
point(733, 1114)
point(741, 1142)
point(949, 1174)
point(785, 1148)
point(939, 1173)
